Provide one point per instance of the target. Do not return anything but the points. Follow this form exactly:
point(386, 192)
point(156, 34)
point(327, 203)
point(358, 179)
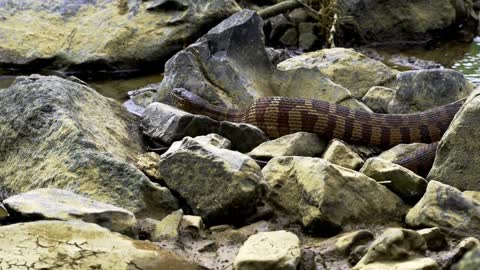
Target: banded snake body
point(278, 116)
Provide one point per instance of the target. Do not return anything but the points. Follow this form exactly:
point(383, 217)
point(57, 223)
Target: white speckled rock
point(278, 250)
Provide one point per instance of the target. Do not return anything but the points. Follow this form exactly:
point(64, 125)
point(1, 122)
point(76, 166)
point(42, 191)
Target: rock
point(297, 144)
point(391, 22)
point(349, 241)
point(56, 204)
point(3, 212)
point(352, 70)
point(420, 90)
point(80, 245)
point(307, 37)
point(189, 221)
point(404, 62)
point(140, 99)
point(454, 163)
point(129, 37)
point(60, 134)
point(471, 261)
point(167, 228)
point(398, 249)
point(218, 184)
point(324, 196)
point(340, 153)
point(403, 182)
point(289, 39)
point(276, 55)
point(228, 66)
point(148, 164)
point(472, 194)
point(434, 238)
point(378, 98)
point(215, 140)
point(277, 26)
point(400, 151)
point(166, 124)
point(466, 245)
point(278, 250)
point(446, 207)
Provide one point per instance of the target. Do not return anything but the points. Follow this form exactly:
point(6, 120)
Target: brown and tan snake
point(278, 116)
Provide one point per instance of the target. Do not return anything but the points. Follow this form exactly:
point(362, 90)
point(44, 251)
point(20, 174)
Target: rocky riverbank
point(88, 184)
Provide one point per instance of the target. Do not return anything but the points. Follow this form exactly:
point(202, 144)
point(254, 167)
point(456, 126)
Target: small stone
point(349, 241)
point(167, 228)
point(64, 205)
point(434, 237)
point(403, 182)
point(195, 222)
point(296, 144)
point(378, 98)
point(148, 164)
point(340, 153)
point(278, 250)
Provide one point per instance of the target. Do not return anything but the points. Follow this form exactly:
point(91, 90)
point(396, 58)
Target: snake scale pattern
point(278, 116)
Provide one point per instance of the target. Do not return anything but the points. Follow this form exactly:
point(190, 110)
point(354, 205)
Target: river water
point(462, 57)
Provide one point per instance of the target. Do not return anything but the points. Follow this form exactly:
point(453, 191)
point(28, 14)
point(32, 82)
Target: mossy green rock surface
point(103, 33)
point(60, 134)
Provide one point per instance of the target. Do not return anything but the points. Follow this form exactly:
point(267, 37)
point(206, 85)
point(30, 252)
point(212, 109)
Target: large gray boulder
point(456, 163)
point(404, 22)
point(420, 90)
point(80, 245)
point(60, 134)
point(324, 196)
point(228, 66)
point(221, 185)
point(102, 34)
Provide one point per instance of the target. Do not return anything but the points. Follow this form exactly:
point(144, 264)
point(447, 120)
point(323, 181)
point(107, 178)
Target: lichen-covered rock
point(167, 228)
point(218, 184)
point(400, 151)
point(346, 67)
point(404, 22)
point(446, 207)
point(60, 134)
point(166, 124)
point(56, 204)
point(403, 182)
point(378, 98)
point(80, 245)
point(60, 34)
point(340, 153)
point(454, 164)
point(420, 90)
point(396, 249)
point(297, 144)
point(434, 237)
point(228, 66)
point(278, 250)
point(323, 196)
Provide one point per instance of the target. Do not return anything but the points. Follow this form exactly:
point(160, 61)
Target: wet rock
point(166, 124)
point(349, 241)
point(446, 207)
point(60, 134)
point(130, 35)
point(228, 66)
point(324, 196)
point(395, 22)
point(167, 228)
point(434, 238)
point(56, 204)
point(352, 70)
point(471, 261)
point(76, 244)
point(420, 90)
point(412, 62)
point(378, 98)
point(279, 250)
point(454, 163)
point(400, 151)
point(397, 248)
point(403, 182)
point(218, 184)
point(297, 144)
point(340, 153)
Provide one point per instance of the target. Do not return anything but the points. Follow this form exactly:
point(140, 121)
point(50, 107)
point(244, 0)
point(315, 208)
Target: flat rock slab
point(64, 205)
point(103, 33)
point(80, 245)
point(61, 134)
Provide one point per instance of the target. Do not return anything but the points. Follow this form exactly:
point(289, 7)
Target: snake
point(278, 116)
